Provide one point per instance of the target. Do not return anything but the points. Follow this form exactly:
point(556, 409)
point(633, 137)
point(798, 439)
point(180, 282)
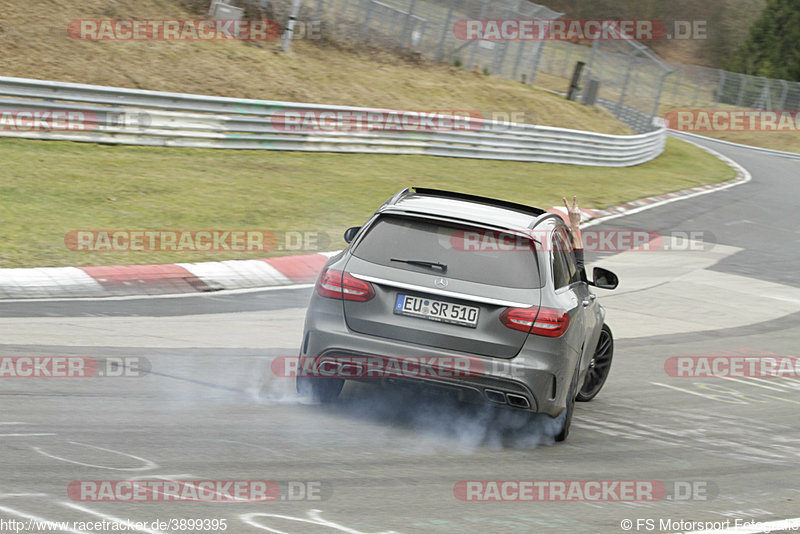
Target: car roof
point(465, 207)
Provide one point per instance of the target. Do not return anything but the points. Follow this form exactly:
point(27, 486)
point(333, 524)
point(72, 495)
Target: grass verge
point(786, 139)
point(50, 188)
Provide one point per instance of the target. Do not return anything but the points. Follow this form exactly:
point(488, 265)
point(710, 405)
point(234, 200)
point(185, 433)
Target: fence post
point(445, 30)
point(589, 71)
point(741, 90)
point(502, 49)
point(287, 36)
point(422, 29)
point(342, 14)
point(675, 86)
point(367, 17)
point(404, 37)
point(475, 46)
point(625, 82)
point(518, 59)
point(720, 88)
point(783, 94)
point(320, 9)
point(537, 60)
point(658, 95)
point(699, 83)
point(765, 99)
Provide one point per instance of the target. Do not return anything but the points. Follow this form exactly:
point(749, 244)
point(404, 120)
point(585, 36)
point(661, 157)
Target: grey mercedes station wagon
point(479, 296)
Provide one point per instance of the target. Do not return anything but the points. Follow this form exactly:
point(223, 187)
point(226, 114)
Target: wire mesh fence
point(702, 87)
point(632, 82)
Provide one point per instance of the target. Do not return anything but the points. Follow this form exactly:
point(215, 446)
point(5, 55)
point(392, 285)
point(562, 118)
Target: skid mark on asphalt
point(148, 464)
point(28, 435)
point(313, 519)
point(12, 495)
point(722, 390)
point(704, 433)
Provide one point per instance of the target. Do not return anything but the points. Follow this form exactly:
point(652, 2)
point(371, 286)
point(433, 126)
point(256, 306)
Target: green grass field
point(50, 188)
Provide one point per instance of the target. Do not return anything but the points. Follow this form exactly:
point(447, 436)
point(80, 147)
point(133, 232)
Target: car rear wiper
point(423, 263)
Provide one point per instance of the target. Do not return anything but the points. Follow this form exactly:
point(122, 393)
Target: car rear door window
point(564, 268)
point(569, 255)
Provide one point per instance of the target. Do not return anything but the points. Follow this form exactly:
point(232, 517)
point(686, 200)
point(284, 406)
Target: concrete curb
point(128, 280)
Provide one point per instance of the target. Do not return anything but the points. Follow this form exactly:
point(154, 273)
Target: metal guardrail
point(114, 115)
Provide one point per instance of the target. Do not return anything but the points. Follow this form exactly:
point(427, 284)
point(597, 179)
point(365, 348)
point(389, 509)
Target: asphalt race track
point(209, 406)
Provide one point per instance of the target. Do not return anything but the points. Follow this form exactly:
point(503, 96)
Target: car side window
point(561, 267)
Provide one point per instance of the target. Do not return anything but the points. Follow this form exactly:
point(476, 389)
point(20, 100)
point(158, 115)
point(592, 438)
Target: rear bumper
point(535, 380)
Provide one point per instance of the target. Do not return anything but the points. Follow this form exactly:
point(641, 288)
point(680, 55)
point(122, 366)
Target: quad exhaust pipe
point(341, 369)
point(497, 397)
point(518, 401)
point(512, 399)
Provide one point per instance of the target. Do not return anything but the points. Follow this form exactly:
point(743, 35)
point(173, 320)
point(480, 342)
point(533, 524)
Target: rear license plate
point(436, 310)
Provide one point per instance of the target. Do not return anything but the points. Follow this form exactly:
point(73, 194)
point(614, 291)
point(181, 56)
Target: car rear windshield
point(470, 253)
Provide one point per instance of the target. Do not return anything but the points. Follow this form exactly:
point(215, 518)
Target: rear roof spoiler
point(473, 198)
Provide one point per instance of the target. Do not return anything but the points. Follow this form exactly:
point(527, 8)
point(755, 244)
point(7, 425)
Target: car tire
point(599, 367)
point(322, 390)
point(565, 418)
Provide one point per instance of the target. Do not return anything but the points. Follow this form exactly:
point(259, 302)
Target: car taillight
point(335, 284)
point(548, 322)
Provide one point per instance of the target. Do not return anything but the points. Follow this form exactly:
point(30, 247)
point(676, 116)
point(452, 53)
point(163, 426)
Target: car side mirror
point(604, 279)
point(350, 233)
